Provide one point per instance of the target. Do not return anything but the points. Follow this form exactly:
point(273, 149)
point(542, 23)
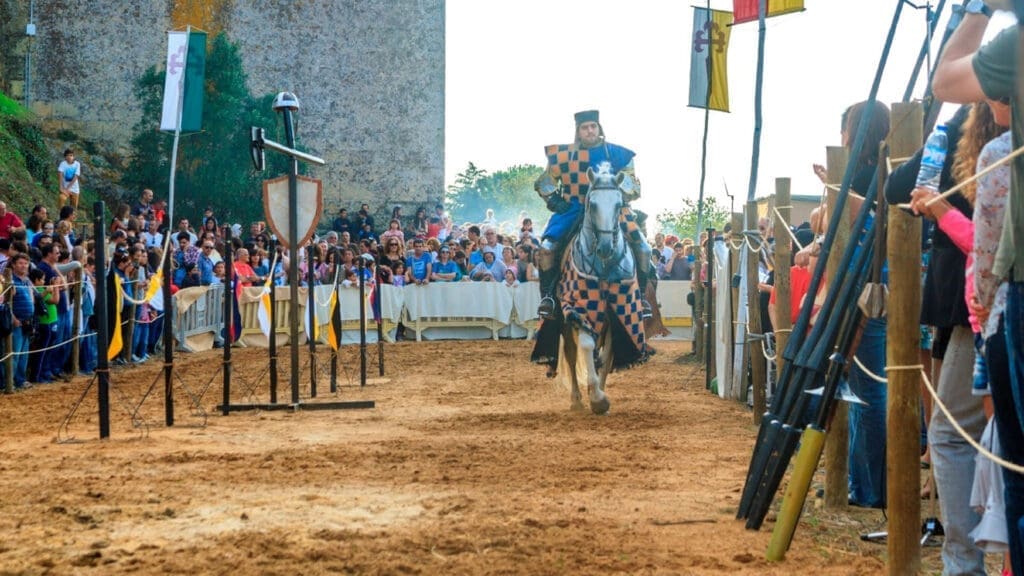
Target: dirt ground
point(470, 463)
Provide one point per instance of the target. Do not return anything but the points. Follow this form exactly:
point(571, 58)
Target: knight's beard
point(590, 143)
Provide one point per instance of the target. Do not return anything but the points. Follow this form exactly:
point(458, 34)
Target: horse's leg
point(598, 401)
point(605, 353)
point(570, 358)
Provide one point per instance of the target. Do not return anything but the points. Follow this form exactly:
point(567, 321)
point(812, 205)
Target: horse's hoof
point(601, 407)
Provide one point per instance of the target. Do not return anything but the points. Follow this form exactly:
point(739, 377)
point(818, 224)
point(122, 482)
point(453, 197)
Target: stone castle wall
point(369, 75)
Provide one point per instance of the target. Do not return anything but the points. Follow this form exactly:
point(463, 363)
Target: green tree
point(508, 192)
point(684, 222)
point(214, 168)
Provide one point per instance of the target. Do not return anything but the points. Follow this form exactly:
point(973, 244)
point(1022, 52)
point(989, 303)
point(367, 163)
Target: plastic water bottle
point(932, 159)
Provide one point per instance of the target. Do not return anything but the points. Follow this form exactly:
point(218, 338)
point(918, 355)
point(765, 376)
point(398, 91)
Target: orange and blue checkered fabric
point(568, 164)
point(585, 301)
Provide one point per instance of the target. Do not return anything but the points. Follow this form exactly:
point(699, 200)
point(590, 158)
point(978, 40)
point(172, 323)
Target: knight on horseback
point(563, 187)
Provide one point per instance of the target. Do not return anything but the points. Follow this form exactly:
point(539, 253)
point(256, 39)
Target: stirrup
point(546, 309)
point(646, 310)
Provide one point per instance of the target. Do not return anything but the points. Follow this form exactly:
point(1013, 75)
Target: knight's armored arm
point(630, 185)
point(547, 189)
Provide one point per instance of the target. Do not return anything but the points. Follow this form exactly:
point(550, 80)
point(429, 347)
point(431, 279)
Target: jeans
point(953, 457)
point(140, 339)
point(1009, 409)
point(39, 361)
point(866, 459)
point(87, 359)
point(20, 347)
point(156, 333)
point(1010, 436)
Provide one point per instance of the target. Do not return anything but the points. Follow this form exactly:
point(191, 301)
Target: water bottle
point(932, 159)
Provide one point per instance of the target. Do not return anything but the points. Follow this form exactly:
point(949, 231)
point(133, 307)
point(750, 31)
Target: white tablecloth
point(490, 300)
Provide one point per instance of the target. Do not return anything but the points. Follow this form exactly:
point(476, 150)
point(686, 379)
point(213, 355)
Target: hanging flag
point(116, 344)
point(185, 81)
point(709, 78)
point(155, 283)
point(334, 326)
point(263, 313)
point(746, 10)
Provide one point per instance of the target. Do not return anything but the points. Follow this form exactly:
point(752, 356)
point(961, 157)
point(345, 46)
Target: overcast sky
point(517, 71)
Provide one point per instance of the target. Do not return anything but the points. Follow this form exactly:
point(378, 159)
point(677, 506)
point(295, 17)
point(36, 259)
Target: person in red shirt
point(799, 281)
point(243, 271)
point(8, 221)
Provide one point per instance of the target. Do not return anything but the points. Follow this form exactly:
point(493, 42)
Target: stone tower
point(370, 75)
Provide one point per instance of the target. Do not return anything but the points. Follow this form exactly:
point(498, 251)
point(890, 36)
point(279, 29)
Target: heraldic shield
point(310, 204)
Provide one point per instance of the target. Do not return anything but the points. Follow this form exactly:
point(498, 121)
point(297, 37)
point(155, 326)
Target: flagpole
point(704, 149)
point(756, 153)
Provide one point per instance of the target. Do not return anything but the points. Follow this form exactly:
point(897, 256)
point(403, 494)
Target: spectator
point(508, 257)
point(679, 266)
point(119, 221)
point(69, 172)
point(434, 228)
point(398, 275)
point(445, 270)
point(525, 269)
point(46, 327)
point(244, 273)
point(341, 223)
point(184, 229)
point(24, 312)
point(461, 262)
point(392, 252)
point(363, 218)
point(87, 328)
point(205, 264)
point(152, 237)
point(145, 203)
point(35, 222)
point(489, 220)
point(419, 265)
point(394, 231)
point(490, 270)
point(510, 278)
point(491, 242)
point(8, 221)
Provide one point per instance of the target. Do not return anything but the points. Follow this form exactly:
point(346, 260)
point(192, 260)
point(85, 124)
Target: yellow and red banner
point(746, 10)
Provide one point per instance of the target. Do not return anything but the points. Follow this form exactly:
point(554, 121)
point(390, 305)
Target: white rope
point(938, 402)
point(52, 347)
point(789, 230)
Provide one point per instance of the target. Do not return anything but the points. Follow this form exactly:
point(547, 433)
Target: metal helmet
point(285, 101)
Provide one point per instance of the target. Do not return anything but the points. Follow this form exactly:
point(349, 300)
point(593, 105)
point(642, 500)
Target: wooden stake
point(758, 363)
point(903, 443)
point(837, 440)
point(783, 251)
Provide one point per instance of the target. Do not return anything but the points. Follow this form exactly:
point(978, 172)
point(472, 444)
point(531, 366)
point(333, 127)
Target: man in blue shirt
point(419, 265)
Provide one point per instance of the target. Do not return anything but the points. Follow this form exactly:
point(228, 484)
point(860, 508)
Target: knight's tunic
point(568, 164)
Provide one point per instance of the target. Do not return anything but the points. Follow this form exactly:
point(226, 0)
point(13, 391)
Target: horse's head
point(604, 203)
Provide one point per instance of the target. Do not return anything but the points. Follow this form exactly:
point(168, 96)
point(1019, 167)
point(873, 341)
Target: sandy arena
point(470, 463)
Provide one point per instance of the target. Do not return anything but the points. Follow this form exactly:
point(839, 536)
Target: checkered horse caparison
point(585, 302)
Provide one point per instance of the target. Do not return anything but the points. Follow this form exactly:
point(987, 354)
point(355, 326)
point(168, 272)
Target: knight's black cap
point(587, 116)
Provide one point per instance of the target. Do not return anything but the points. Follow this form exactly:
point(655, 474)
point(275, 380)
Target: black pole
point(380, 319)
point(770, 423)
point(362, 323)
point(336, 321)
point(755, 156)
point(933, 20)
point(311, 313)
point(168, 329)
point(102, 337)
point(229, 324)
point(293, 255)
point(272, 338)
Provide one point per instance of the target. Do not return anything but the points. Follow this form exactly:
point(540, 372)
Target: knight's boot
point(548, 284)
point(645, 306)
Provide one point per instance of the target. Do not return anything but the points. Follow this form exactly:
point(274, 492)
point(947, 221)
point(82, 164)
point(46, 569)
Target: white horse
point(599, 276)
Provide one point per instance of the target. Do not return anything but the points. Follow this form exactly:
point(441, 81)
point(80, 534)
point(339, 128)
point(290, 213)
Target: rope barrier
point(942, 406)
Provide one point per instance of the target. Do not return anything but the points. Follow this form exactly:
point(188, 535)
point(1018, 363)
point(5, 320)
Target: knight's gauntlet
point(545, 185)
point(629, 186)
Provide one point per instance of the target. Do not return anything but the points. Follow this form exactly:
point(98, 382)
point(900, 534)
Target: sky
point(516, 72)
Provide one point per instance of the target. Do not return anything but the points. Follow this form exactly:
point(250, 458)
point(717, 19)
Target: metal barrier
point(204, 315)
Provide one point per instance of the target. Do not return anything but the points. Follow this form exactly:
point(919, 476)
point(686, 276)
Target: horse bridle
point(614, 231)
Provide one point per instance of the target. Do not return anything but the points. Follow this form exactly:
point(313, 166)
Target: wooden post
point(903, 443)
point(783, 251)
point(755, 350)
point(838, 438)
point(738, 393)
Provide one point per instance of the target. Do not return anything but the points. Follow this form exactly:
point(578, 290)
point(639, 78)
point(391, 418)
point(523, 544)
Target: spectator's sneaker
point(138, 359)
point(546, 309)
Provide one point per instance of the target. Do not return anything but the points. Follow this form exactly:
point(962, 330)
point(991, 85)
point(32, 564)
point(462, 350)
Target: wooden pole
point(783, 251)
point(738, 393)
point(903, 442)
point(838, 438)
